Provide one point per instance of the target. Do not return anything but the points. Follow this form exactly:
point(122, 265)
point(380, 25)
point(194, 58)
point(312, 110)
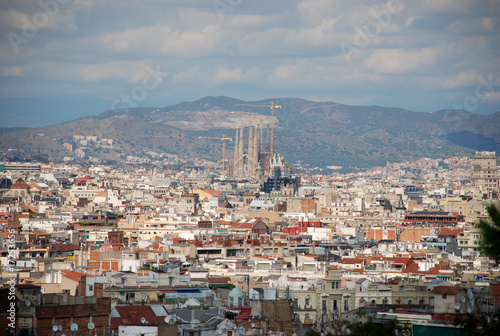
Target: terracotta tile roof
point(447, 289)
point(213, 193)
point(20, 184)
point(132, 314)
point(351, 261)
point(64, 247)
point(450, 232)
point(437, 268)
point(412, 268)
point(72, 275)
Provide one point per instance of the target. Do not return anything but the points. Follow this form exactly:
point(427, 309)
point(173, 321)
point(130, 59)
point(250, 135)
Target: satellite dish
point(457, 306)
point(143, 320)
point(174, 317)
point(469, 310)
point(219, 331)
point(252, 325)
point(470, 295)
point(55, 328)
point(28, 303)
point(73, 327)
point(91, 325)
point(242, 330)
point(488, 319)
point(59, 327)
point(462, 298)
point(167, 319)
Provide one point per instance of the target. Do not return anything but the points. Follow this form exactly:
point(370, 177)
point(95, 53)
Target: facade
point(485, 174)
point(469, 241)
point(332, 299)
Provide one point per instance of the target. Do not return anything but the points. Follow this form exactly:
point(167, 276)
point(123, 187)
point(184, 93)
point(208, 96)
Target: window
point(335, 308)
point(443, 296)
point(346, 305)
point(295, 303)
point(324, 305)
point(308, 303)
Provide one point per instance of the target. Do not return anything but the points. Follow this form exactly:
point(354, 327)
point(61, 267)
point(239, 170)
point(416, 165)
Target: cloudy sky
point(423, 55)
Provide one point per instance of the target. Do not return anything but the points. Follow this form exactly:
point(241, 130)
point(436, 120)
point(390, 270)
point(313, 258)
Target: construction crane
point(272, 107)
point(210, 169)
point(223, 139)
point(243, 112)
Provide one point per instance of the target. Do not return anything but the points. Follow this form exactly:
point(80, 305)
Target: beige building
point(452, 300)
point(463, 205)
point(304, 306)
point(410, 291)
point(469, 241)
point(485, 174)
point(332, 299)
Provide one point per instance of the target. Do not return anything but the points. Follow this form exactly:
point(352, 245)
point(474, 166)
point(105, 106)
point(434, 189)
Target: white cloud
point(237, 75)
point(398, 61)
point(129, 71)
point(187, 76)
point(14, 71)
point(463, 79)
point(38, 20)
point(165, 40)
point(493, 97)
point(409, 22)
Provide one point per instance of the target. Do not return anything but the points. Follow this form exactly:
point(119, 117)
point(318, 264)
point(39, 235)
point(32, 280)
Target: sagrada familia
point(258, 162)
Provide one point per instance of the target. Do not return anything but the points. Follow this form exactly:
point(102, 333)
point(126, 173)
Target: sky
point(422, 55)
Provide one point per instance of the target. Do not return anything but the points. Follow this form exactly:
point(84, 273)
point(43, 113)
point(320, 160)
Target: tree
point(370, 328)
point(474, 324)
point(312, 332)
point(490, 232)
point(479, 325)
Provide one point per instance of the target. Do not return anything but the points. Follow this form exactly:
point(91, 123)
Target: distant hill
point(315, 133)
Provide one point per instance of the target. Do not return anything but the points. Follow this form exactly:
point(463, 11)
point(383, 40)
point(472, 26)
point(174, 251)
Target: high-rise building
point(485, 174)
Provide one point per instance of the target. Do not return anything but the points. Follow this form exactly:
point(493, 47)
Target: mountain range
point(319, 134)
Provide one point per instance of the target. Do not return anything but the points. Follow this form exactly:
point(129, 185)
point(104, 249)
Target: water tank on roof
point(236, 297)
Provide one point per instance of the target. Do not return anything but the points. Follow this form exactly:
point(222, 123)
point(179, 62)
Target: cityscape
point(352, 188)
